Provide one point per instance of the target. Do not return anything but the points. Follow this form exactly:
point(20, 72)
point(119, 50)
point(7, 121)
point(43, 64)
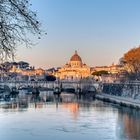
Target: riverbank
point(122, 101)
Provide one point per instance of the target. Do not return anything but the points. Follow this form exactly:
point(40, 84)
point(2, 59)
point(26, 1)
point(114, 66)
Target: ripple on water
point(68, 121)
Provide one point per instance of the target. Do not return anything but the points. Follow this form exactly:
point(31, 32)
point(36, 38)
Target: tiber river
point(66, 118)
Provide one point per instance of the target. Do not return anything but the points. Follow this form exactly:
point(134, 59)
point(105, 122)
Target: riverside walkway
point(122, 101)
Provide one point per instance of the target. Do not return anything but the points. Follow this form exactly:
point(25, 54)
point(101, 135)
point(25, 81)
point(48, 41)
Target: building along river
point(50, 117)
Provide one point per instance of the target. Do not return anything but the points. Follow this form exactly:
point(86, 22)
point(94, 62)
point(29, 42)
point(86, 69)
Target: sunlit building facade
point(28, 72)
point(74, 69)
point(113, 69)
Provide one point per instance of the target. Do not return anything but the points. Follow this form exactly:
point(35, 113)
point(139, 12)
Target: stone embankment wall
point(128, 90)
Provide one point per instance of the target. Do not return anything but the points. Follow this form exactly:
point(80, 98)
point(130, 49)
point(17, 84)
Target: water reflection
point(129, 120)
point(66, 117)
point(24, 101)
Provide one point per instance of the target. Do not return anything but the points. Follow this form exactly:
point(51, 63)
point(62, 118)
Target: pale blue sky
point(101, 31)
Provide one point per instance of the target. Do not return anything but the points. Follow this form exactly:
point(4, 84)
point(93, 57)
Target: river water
point(67, 117)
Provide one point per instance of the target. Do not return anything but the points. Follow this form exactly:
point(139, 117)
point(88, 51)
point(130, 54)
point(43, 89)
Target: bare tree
point(16, 20)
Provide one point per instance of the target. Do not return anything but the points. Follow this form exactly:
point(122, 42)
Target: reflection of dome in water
point(76, 57)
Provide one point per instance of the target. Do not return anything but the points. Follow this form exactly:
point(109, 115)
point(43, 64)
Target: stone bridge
point(75, 85)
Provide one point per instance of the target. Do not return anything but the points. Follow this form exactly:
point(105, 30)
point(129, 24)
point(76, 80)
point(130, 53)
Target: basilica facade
point(74, 69)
